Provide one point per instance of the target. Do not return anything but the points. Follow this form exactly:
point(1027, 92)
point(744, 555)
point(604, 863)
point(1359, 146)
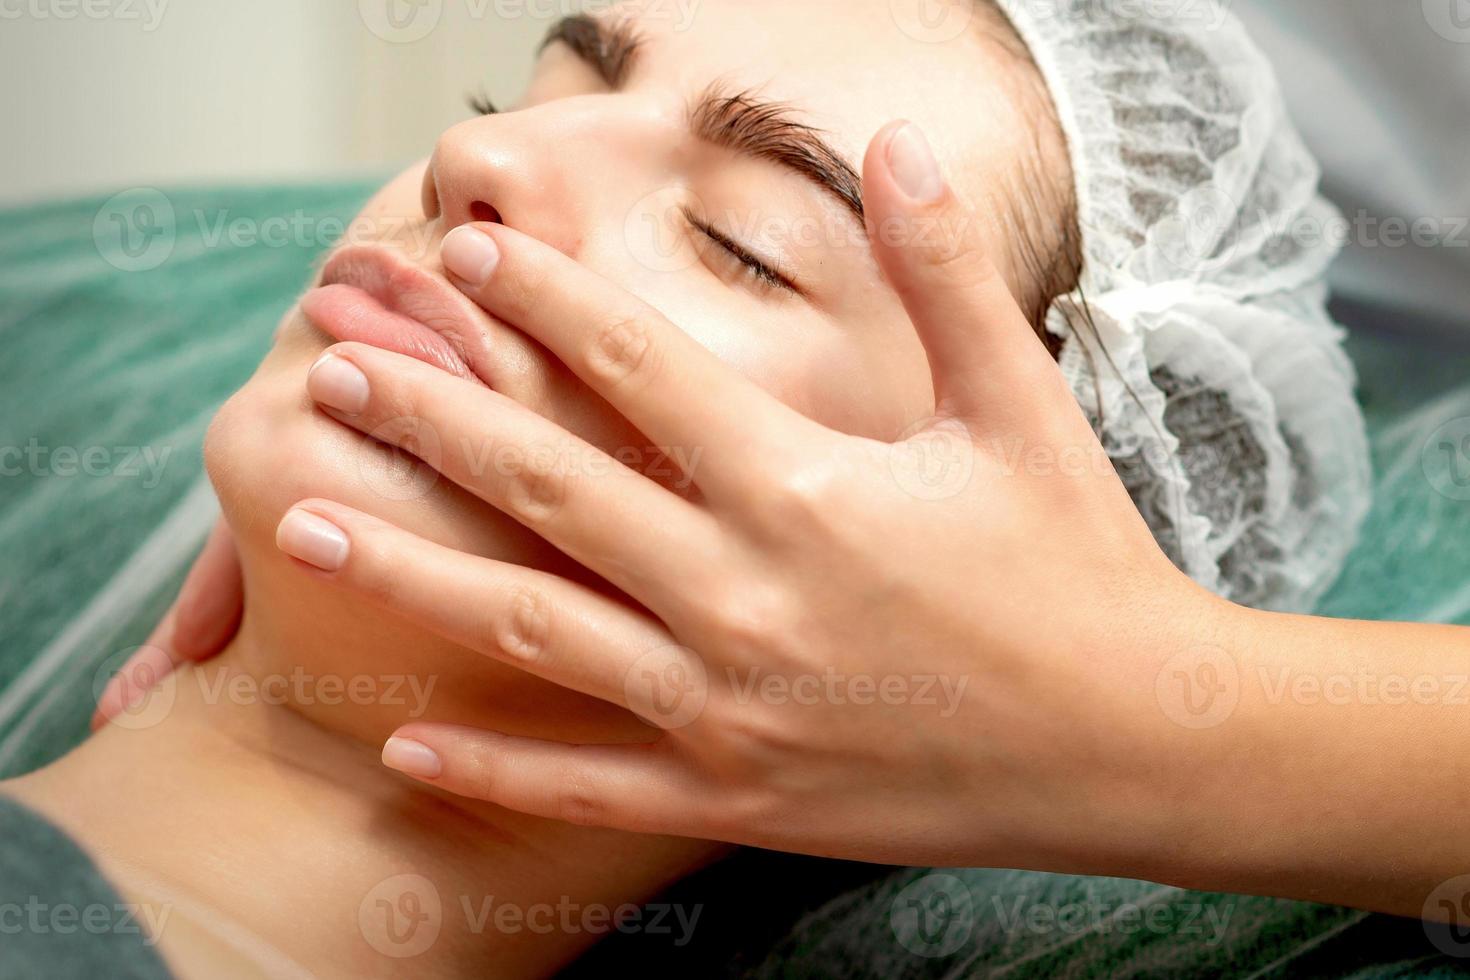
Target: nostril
point(481, 211)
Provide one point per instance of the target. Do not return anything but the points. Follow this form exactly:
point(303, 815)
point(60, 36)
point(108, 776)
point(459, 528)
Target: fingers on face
point(652, 372)
point(548, 626)
point(627, 528)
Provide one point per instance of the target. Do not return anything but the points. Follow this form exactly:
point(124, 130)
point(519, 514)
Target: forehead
point(847, 66)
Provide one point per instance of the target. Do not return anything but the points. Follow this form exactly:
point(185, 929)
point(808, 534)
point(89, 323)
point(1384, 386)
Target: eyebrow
point(742, 122)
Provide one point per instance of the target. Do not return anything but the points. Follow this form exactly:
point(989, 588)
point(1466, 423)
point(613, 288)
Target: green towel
point(117, 350)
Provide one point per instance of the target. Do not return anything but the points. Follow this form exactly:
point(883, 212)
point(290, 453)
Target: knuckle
point(801, 497)
point(753, 618)
point(524, 632)
point(957, 259)
point(757, 806)
point(620, 350)
point(374, 570)
point(477, 770)
point(757, 740)
point(395, 411)
point(577, 801)
point(539, 488)
point(522, 292)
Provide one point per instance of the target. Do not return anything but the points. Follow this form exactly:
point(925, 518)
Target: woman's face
point(654, 170)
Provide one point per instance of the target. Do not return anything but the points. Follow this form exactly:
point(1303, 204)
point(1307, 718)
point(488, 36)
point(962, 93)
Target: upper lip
point(414, 292)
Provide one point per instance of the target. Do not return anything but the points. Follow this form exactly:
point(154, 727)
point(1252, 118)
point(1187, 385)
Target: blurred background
point(105, 94)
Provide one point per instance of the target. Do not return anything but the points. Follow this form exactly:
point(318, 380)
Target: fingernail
point(914, 168)
point(338, 383)
point(470, 254)
point(411, 757)
point(312, 539)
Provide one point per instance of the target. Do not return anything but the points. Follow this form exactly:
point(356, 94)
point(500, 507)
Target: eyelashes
point(480, 103)
point(755, 268)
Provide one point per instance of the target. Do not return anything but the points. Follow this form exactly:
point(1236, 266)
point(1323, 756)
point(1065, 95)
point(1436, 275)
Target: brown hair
point(1038, 203)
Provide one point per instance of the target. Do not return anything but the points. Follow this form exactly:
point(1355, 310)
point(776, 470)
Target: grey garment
point(59, 917)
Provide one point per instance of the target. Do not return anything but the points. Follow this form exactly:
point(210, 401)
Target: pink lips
point(371, 296)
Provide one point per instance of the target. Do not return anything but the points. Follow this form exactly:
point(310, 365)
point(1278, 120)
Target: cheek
point(863, 372)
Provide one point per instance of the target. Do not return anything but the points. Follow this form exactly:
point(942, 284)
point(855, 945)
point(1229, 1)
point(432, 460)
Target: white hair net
point(1216, 377)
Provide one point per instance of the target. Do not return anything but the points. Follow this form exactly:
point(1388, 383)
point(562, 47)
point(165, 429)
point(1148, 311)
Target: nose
point(522, 169)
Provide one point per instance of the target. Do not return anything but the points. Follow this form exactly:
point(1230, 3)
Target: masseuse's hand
point(925, 652)
point(199, 624)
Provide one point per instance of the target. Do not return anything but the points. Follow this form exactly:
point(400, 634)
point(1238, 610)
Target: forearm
point(1329, 765)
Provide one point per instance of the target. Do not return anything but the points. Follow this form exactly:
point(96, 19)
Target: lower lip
point(347, 313)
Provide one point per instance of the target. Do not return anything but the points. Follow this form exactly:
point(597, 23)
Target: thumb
point(987, 362)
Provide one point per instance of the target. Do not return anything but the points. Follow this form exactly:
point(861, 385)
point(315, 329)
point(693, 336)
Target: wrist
point(1185, 743)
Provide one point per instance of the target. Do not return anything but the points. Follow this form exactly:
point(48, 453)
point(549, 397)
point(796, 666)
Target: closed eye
point(757, 269)
point(763, 273)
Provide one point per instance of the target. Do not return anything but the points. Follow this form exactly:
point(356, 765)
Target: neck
point(270, 834)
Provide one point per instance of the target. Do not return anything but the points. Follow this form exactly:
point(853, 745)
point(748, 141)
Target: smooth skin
point(1112, 718)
